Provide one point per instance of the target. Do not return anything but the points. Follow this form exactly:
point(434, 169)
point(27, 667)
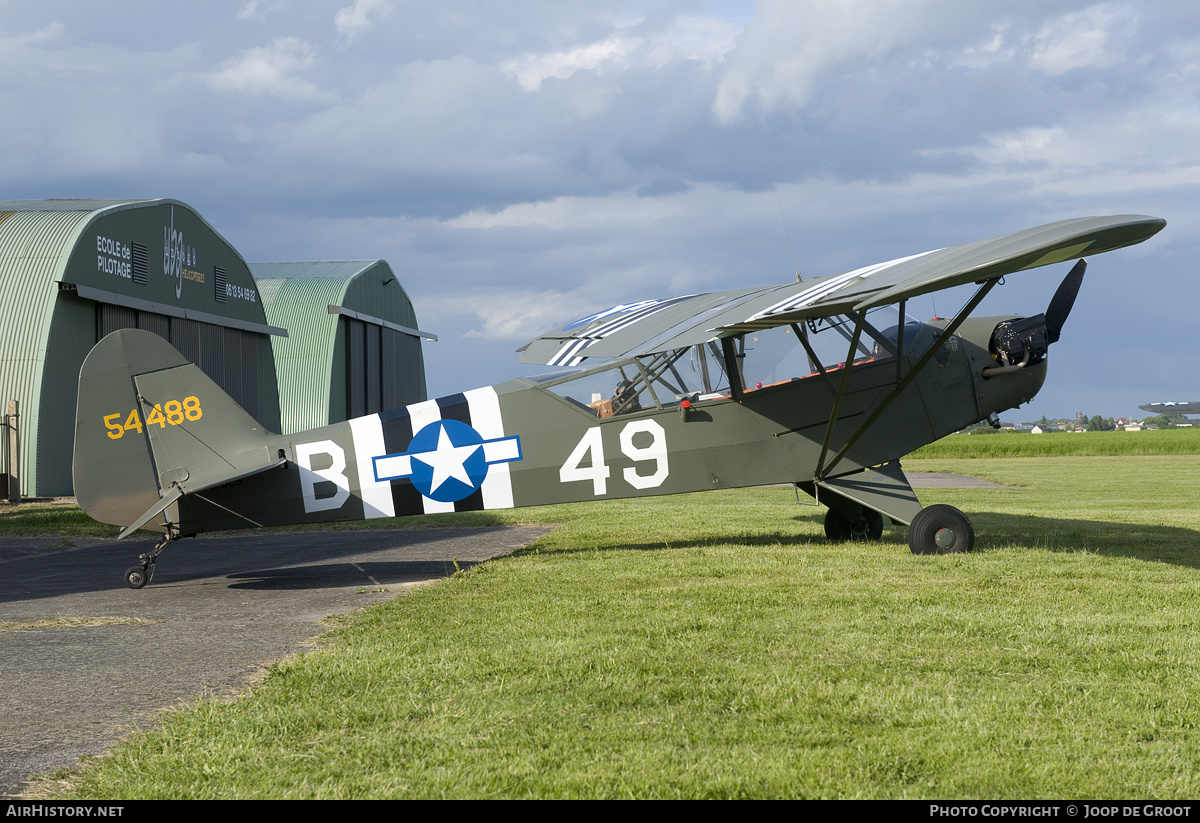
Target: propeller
point(1063, 300)
point(1023, 342)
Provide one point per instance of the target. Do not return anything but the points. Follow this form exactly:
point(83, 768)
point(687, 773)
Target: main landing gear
point(937, 529)
point(940, 529)
point(867, 525)
point(138, 576)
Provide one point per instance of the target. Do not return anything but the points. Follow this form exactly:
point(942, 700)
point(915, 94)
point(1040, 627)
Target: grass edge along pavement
point(715, 646)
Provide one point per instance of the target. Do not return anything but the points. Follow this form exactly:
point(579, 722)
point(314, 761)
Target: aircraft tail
point(150, 427)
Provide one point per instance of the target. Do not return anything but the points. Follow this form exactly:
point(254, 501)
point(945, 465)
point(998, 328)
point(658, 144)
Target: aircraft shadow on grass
point(1138, 541)
point(1156, 543)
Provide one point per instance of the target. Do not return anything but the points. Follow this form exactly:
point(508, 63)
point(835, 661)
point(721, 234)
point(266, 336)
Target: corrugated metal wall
point(304, 360)
point(33, 249)
point(334, 367)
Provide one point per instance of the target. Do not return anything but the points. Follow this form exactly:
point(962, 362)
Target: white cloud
point(352, 21)
point(49, 33)
point(791, 46)
point(789, 43)
point(259, 9)
point(1090, 38)
point(510, 315)
point(688, 39)
point(271, 71)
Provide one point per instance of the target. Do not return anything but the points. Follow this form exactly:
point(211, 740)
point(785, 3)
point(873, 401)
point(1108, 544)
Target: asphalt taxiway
point(85, 659)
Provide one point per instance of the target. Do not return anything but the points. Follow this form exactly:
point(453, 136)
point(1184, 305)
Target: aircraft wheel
point(867, 526)
point(940, 529)
point(135, 577)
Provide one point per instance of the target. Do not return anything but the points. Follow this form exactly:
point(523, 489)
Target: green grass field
point(1062, 444)
point(715, 645)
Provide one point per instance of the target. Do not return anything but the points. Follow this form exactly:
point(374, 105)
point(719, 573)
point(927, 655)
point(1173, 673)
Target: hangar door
point(227, 355)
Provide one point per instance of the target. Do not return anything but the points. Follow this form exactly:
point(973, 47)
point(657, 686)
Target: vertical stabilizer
point(148, 421)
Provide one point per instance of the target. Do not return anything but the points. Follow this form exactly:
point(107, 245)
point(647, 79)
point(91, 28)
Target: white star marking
point(447, 462)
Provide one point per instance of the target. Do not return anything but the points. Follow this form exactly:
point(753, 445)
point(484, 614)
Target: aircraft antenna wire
point(788, 235)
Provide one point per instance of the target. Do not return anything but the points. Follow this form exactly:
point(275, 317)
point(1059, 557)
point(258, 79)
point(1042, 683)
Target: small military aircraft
point(824, 384)
point(1172, 407)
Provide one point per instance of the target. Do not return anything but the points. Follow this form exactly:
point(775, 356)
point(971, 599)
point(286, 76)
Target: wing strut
point(837, 401)
point(823, 469)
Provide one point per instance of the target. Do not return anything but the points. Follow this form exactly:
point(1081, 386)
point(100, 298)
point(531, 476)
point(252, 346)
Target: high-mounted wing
point(660, 325)
point(1172, 407)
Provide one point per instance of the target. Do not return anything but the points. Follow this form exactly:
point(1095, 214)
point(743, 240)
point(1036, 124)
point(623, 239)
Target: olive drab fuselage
point(522, 443)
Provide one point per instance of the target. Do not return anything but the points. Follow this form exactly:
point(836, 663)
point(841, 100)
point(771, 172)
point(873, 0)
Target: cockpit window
point(662, 380)
point(607, 392)
point(806, 349)
point(766, 358)
point(694, 373)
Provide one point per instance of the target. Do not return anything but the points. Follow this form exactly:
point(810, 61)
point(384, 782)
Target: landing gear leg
point(940, 529)
point(138, 576)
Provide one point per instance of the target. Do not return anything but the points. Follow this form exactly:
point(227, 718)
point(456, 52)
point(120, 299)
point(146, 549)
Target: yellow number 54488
point(173, 412)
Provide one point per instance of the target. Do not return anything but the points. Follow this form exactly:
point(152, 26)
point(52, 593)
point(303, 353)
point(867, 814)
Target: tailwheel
point(868, 525)
point(138, 576)
point(940, 529)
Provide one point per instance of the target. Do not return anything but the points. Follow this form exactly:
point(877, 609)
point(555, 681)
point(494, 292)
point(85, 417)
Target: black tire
point(868, 526)
point(136, 577)
point(837, 528)
point(940, 529)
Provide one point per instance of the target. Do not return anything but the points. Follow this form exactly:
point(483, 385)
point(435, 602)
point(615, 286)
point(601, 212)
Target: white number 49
point(591, 448)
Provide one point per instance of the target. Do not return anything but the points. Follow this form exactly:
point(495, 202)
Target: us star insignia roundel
point(447, 460)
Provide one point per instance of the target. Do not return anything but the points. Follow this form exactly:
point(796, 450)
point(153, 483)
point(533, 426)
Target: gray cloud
point(526, 162)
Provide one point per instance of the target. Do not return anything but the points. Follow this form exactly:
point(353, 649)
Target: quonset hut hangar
point(73, 271)
point(352, 347)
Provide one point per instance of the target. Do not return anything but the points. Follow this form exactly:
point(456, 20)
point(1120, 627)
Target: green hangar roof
point(353, 344)
point(72, 271)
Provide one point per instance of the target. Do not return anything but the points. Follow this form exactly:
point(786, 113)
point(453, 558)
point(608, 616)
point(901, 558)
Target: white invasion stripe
point(620, 323)
point(631, 312)
point(485, 419)
point(820, 290)
point(568, 351)
point(396, 465)
point(421, 415)
point(368, 441)
point(500, 451)
point(621, 309)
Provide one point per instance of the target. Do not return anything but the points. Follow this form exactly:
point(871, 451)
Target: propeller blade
point(1064, 298)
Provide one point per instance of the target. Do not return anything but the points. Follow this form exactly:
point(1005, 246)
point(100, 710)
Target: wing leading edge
point(660, 325)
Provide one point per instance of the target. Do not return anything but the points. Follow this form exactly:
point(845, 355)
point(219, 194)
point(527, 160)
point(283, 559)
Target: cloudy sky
point(527, 162)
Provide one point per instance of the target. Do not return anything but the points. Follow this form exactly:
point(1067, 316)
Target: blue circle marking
point(447, 460)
